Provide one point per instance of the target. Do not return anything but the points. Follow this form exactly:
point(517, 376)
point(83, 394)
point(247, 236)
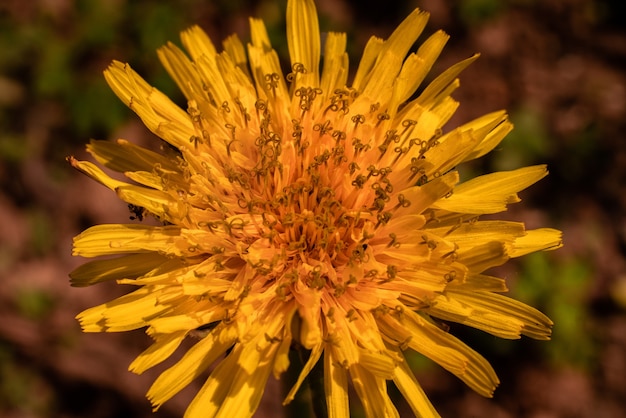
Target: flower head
point(302, 211)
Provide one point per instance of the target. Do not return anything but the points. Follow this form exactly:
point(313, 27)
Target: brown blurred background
point(558, 67)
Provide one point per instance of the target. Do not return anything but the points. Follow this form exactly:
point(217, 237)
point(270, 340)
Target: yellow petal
point(281, 363)
point(496, 312)
point(125, 313)
point(195, 361)
point(159, 203)
point(451, 150)
point(481, 232)
point(231, 392)
point(197, 43)
point(303, 40)
point(95, 173)
point(119, 238)
point(154, 180)
point(537, 240)
point(439, 87)
point(155, 109)
point(449, 352)
point(480, 282)
point(266, 68)
point(492, 192)
point(314, 356)
point(214, 80)
point(417, 66)
point(481, 257)
point(182, 71)
point(372, 48)
point(237, 52)
point(335, 388)
point(210, 397)
point(335, 71)
point(123, 156)
point(412, 391)
point(187, 321)
point(129, 266)
point(391, 56)
point(247, 389)
point(379, 364)
point(163, 346)
point(419, 198)
point(497, 126)
point(372, 392)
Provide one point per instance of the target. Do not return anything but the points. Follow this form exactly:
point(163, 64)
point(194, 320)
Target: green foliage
point(474, 12)
point(18, 387)
point(42, 237)
point(528, 143)
point(560, 290)
point(34, 303)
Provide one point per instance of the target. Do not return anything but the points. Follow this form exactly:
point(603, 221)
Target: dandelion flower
point(303, 211)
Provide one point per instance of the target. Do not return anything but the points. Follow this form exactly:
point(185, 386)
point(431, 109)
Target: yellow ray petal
point(210, 397)
point(163, 346)
point(95, 173)
point(493, 312)
point(155, 180)
point(241, 88)
point(247, 389)
point(230, 391)
point(237, 52)
point(449, 352)
point(372, 391)
point(281, 363)
point(418, 198)
point(475, 282)
point(155, 109)
point(214, 81)
point(450, 308)
point(439, 87)
point(161, 204)
point(481, 257)
point(417, 66)
point(379, 364)
point(451, 150)
point(303, 40)
point(197, 43)
point(125, 267)
point(123, 156)
point(186, 321)
point(413, 392)
point(125, 313)
point(182, 71)
point(372, 49)
point(391, 56)
point(491, 193)
point(335, 71)
point(478, 233)
point(537, 240)
point(195, 361)
point(119, 238)
point(335, 387)
point(497, 127)
point(314, 356)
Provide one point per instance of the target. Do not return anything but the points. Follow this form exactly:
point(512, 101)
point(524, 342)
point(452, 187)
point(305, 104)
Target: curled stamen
point(296, 68)
point(357, 119)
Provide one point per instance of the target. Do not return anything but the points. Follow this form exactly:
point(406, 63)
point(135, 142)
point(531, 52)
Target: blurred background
point(558, 67)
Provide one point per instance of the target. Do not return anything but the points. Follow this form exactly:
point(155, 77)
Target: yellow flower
point(298, 211)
